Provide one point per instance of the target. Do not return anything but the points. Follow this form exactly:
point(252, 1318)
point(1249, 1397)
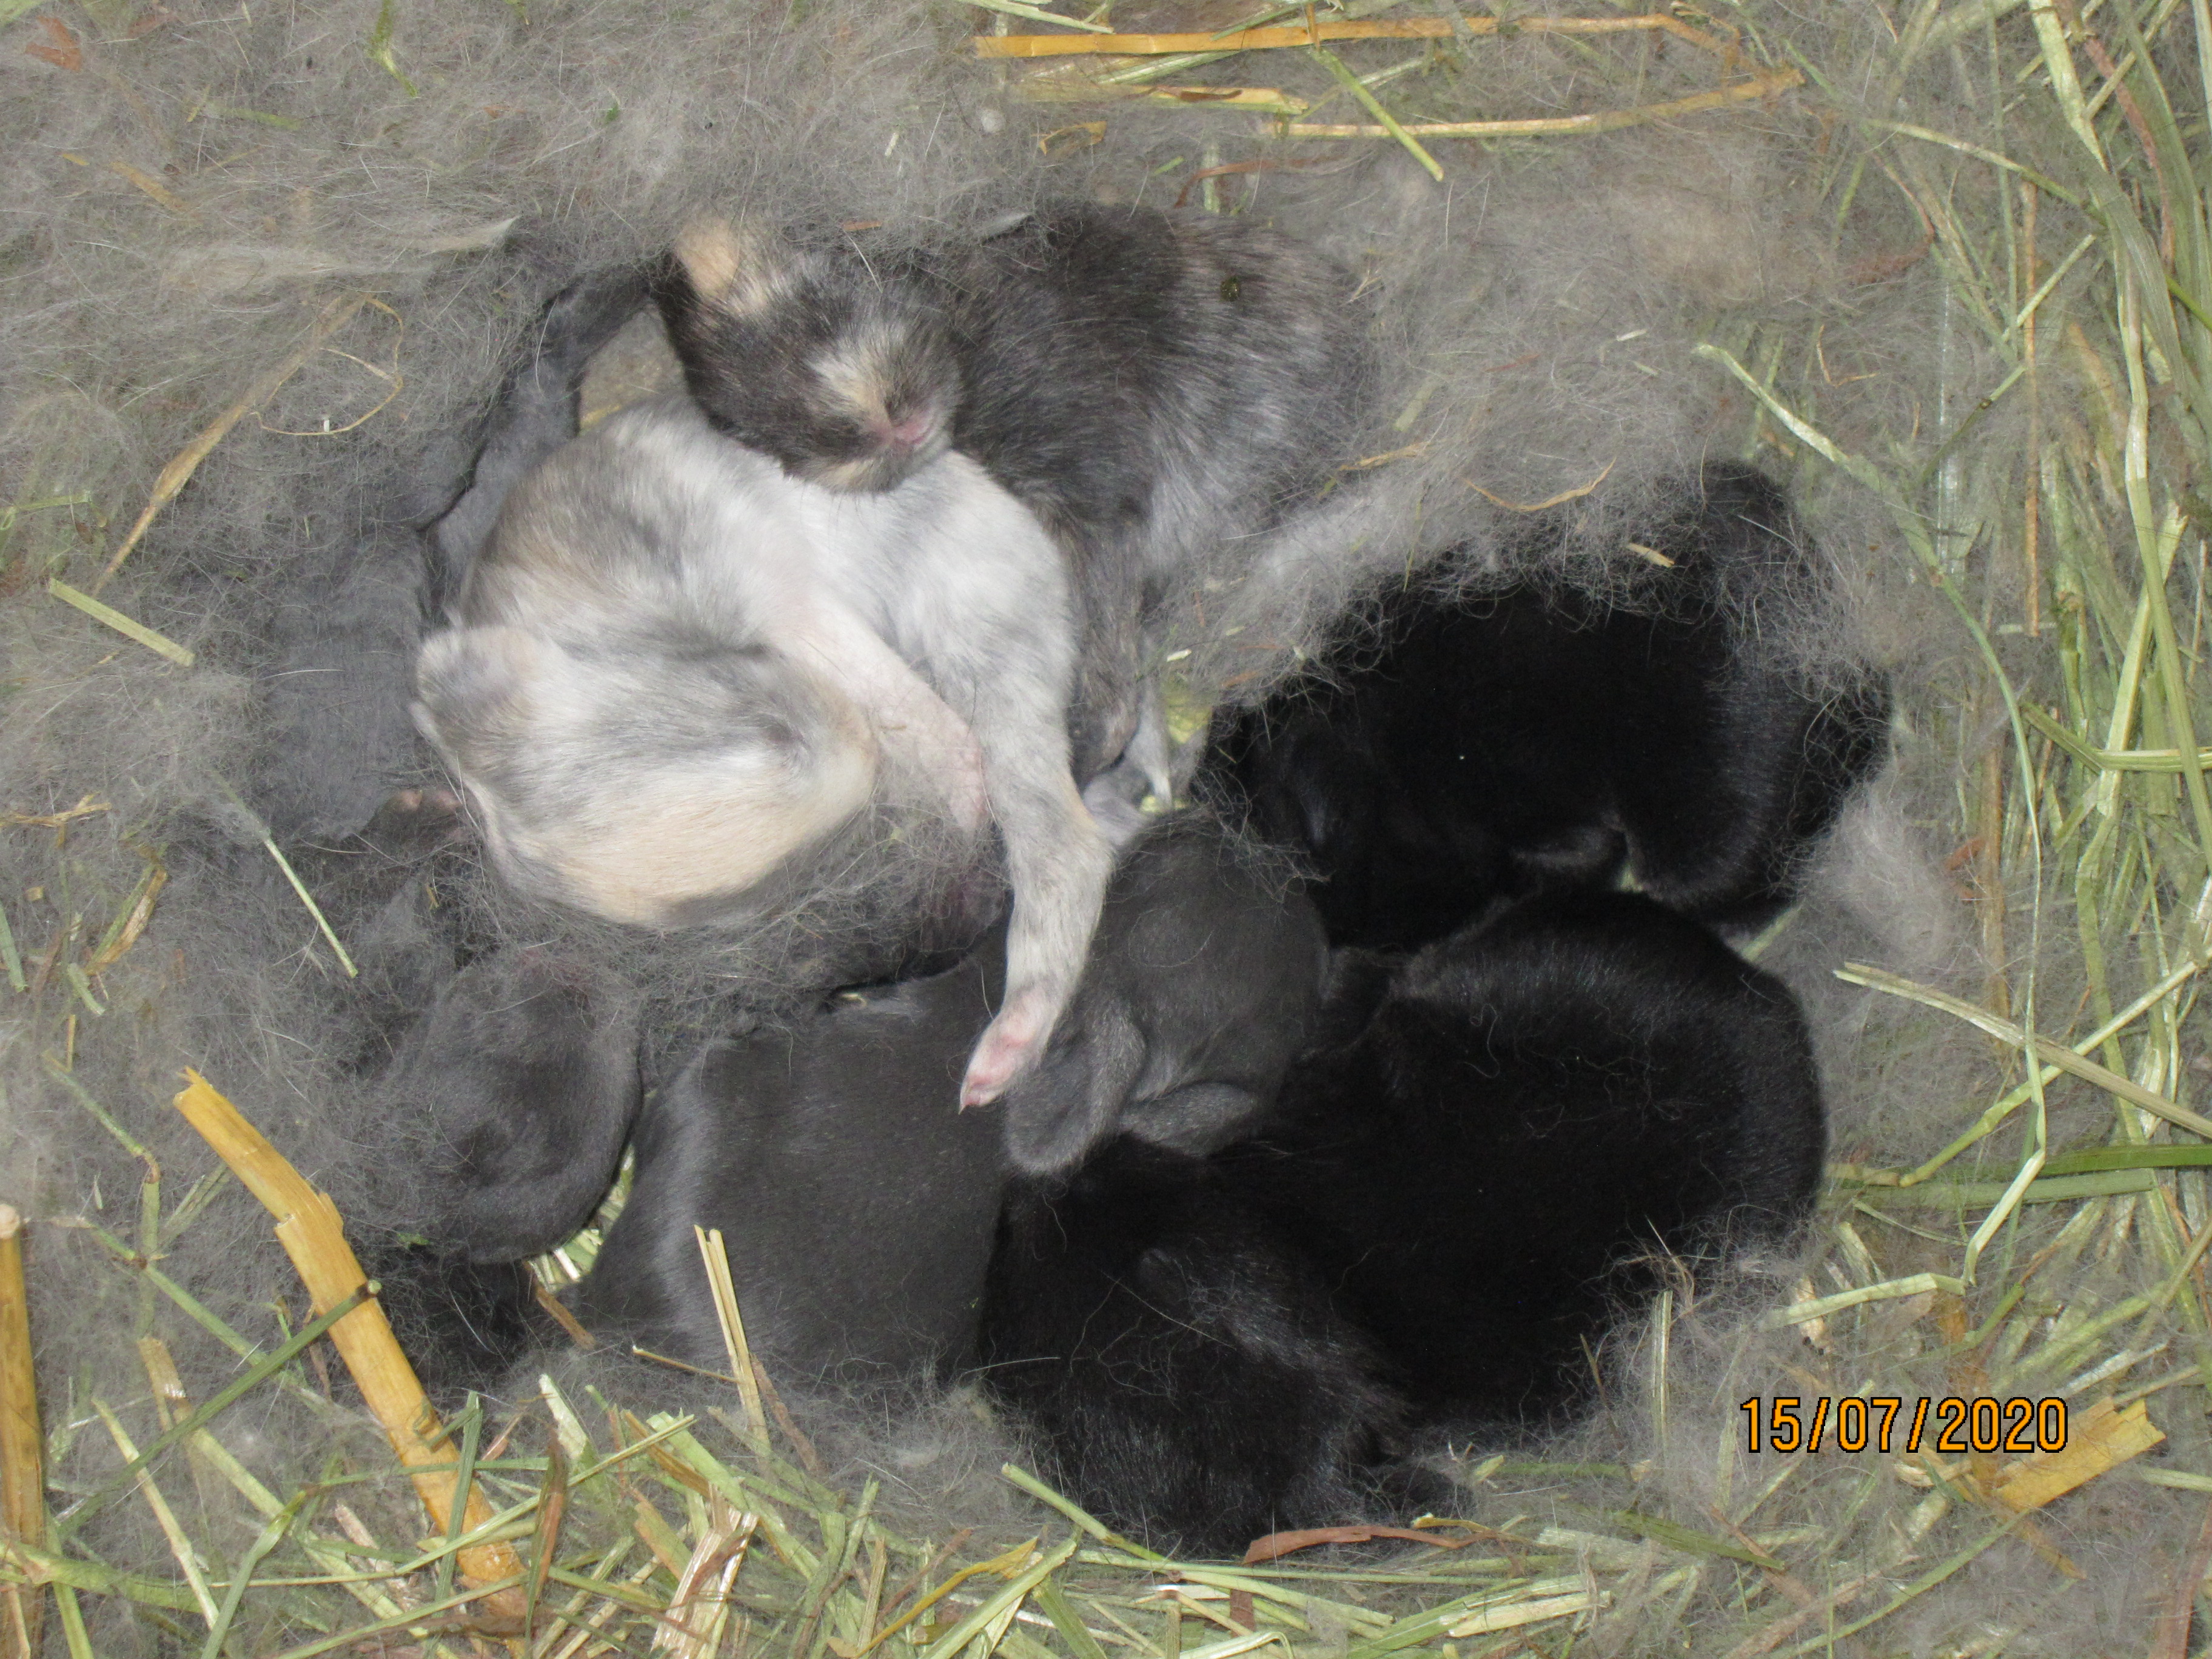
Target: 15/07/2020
point(1788, 1423)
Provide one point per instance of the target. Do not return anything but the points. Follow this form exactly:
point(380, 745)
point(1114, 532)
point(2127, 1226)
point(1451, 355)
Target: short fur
point(854, 1199)
point(1150, 384)
point(1541, 1109)
point(1474, 746)
point(675, 672)
point(537, 412)
point(1558, 291)
point(520, 1084)
point(1187, 1369)
point(1432, 1229)
point(527, 1066)
point(345, 641)
point(1200, 988)
point(856, 1203)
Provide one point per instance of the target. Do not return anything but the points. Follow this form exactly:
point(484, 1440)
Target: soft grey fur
point(1164, 389)
point(1202, 985)
point(675, 670)
point(1539, 311)
point(526, 1061)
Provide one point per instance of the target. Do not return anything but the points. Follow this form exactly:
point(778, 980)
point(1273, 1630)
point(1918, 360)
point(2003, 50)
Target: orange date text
point(1952, 1425)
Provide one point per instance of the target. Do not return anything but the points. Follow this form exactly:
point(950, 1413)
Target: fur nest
point(1938, 265)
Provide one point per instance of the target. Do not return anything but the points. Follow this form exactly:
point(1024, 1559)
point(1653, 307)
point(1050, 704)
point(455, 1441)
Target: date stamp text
point(1884, 1423)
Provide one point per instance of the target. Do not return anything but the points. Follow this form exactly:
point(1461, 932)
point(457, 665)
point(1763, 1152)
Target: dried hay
point(1945, 264)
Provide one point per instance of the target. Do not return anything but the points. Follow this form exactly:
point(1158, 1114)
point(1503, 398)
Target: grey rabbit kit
point(944, 1177)
point(674, 678)
point(1150, 385)
point(673, 683)
point(857, 1209)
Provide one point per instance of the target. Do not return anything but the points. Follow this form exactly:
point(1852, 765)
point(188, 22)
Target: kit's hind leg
point(1058, 861)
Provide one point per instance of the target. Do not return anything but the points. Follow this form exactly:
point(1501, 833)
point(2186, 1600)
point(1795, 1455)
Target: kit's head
point(840, 367)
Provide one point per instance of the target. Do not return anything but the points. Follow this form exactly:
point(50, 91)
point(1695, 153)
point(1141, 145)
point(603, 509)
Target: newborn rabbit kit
point(1734, 507)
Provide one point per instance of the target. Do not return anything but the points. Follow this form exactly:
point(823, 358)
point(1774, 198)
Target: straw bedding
point(1940, 265)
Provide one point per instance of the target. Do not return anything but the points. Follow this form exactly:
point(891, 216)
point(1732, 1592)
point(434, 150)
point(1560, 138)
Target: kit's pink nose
point(908, 432)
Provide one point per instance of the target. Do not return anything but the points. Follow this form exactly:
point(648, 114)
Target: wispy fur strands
point(166, 248)
point(857, 1206)
point(676, 677)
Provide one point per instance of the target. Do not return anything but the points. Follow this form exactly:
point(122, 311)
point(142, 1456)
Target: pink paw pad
point(421, 819)
point(1009, 1043)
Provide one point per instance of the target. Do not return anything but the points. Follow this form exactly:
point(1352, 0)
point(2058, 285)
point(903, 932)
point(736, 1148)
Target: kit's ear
point(1071, 1100)
point(738, 266)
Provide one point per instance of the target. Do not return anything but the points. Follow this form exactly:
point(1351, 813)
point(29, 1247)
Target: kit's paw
point(1009, 1045)
point(413, 821)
